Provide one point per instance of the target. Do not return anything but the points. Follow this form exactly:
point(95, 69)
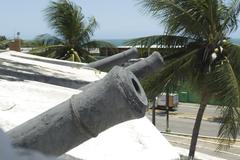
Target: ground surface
point(181, 124)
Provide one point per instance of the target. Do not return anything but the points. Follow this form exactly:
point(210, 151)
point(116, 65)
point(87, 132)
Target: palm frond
point(88, 31)
point(185, 17)
point(66, 19)
point(170, 75)
point(160, 41)
point(224, 86)
point(230, 22)
point(232, 52)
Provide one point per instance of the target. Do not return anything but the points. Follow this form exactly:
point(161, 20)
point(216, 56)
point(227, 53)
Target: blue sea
point(121, 42)
point(235, 40)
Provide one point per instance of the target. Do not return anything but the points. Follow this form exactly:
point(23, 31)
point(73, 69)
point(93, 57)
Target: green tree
point(198, 32)
point(73, 30)
point(2, 38)
point(4, 42)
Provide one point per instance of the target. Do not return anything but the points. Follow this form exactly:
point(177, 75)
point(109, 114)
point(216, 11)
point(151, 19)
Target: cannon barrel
point(143, 67)
point(116, 98)
point(147, 66)
point(117, 59)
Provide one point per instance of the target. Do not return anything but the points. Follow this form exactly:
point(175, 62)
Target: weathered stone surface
point(116, 98)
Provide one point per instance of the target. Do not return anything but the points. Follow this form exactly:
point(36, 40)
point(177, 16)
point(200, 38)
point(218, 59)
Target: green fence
point(188, 95)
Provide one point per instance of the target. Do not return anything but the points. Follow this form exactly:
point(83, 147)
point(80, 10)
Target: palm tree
point(203, 55)
point(68, 22)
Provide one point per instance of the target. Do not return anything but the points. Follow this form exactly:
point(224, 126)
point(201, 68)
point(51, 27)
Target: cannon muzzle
point(147, 66)
point(117, 59)
point(116, 98)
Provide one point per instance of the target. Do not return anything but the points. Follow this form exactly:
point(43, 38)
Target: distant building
point(15, 45)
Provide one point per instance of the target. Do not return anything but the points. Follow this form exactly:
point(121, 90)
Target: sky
point(118, 19)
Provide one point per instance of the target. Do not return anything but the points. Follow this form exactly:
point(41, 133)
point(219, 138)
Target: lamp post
point(167, 111)
point(153, 110)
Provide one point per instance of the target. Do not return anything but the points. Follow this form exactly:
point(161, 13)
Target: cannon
point(115, 98)
point(8, 152)
point(147, 66)
point(142, 68)
point(117, 59)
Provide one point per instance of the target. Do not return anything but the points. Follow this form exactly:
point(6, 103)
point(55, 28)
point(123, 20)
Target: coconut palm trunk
point(196, 128)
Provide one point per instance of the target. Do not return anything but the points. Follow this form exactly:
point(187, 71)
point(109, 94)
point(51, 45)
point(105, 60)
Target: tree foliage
point(74, 32)
point(207, 58)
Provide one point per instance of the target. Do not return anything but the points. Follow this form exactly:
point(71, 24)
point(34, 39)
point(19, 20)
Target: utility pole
point(153, 110)
point(167, 111)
